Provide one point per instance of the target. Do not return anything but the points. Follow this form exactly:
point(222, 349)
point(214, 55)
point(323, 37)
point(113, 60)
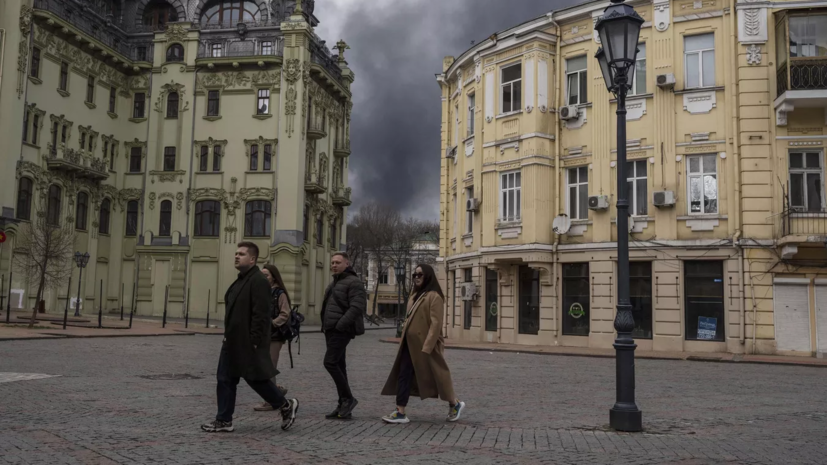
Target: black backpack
point(291, 330)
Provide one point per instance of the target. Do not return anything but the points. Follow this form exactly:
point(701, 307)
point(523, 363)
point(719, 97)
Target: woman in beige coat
point(420, 367)
point(280, 310)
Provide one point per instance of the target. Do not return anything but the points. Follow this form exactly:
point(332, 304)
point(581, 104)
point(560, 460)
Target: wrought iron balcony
point(241, 49)
point(341, 196)
point(341, 149)
point(87, 20)
point(320, 55)
point(803, 222)
point(802, 74)
point(77, 163)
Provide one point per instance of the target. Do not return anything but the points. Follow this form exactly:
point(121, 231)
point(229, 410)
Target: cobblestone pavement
point(108, 406)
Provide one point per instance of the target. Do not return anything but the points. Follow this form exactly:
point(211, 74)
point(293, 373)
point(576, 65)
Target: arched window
point(319, 230)
point(228, 13)
point(257, 219)
point(207, 218)
point(175, 53)
point(165, 226)
point(82, 211)
point(158, 13)
point(172, 105)
point(103, 227)
point(132, 218)
point(53, 207)
point(24, 199)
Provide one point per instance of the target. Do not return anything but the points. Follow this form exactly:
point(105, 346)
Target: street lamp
point(400, 276)
point(81, 261)
point(619, 31)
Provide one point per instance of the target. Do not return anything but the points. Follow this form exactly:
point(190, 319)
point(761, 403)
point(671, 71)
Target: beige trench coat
point(423, 335)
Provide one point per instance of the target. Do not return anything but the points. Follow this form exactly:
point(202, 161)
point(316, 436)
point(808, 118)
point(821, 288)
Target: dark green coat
point(247, 327)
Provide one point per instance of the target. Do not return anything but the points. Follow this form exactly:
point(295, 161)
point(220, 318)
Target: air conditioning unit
point(666, 81)
point(663, 199)
point(569, 112)
point(598, 202)
point(468, 291)
point(472, 205)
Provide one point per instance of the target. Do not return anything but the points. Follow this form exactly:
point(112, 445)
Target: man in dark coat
point(343, 310)
point(245, 352)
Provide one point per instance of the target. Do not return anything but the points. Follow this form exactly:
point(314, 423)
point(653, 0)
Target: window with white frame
point(383, 277)
point(576, 81)
point(702, 184)
point(456, 124)
point(471, 107)
point(578, 192)
point(806, 182)
point(469, 215)
point(639, 74)
point(511, 88)
point(699, 60)
point(215, 50)
point(267, 48)
point(510, 194)
point(637, 187)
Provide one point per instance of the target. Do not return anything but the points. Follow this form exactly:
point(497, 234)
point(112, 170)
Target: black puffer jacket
point(344, 304)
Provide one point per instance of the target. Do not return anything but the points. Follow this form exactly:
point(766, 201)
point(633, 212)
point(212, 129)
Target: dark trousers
point(406, 374)
point(227, 386)
point(334, 361)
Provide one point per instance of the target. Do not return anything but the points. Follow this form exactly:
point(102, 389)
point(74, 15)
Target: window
point(132, 218)
point(469, 215)
point(491, 290)
point(63, 83)
point(319, 230)
point(257, 219)
point(467, 305)
point(64, 133)
point(175, 53)
point(34, 70)
point(82, 211)
point(204, 158)
point(639, 76)
point(207, 218)
point(333, 234)
point(212, 103)
point(578, 193)
point(808, 36)
point(703, 184)
point(263, 106)
point(141, 53)
point(169, 158)
point(637, 187)
point(305, 224)
point(267, 48)
point(576, 81)
point(471, 107)
point(90, 89)
point(24, 199)
point(26, 125)
point(511, 88)
point(91, 142)
point(227, 13)
point(139, 105)
point(510, 207)
point(529, 315)
point(135, 156)
point(576, 299)
point(640, 295)
point(55, 128)
point(215, 50)
point(103, 226)
point(383, 277)
point(216, 158)
point(82, 140)
point(172, 105)
point(165, 224)
point(456, 124)
point(112, 156)
point(704, 289)
point(268, 157)
point(699, 55)
point(806, 182)
point(35, 126)
point(254, 158)
point(53, 206)
point(158, 13)
point(113, 99)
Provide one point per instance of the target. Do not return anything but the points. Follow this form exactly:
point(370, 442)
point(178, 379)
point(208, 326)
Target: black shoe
point(335, 413)
point(288, 413)
point(347, 408)
point(218, 426)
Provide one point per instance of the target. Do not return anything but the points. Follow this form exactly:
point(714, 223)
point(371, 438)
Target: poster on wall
point(707, 328)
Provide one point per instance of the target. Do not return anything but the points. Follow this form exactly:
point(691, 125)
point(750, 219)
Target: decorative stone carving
point(753, 55)
point(167, 176)
point(23, 48)
point(166, 89)
point(125, 195)
point(489, 94)
point(662, 16)
point(700, 102)
point(135, 143)
point(781, 113)
point(752, 23)
point(176, 33)
point(635, 109)
point(152, 196)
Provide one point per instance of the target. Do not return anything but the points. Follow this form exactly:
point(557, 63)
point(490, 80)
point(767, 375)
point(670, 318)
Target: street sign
point(2, 237)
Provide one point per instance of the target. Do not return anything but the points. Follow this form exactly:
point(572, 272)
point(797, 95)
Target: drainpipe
point(554, 254)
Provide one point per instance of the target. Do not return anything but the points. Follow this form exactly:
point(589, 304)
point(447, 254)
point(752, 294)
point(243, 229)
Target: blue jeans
point(228, 385)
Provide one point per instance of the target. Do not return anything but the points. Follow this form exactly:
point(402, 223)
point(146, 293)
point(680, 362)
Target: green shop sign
point(576, 311)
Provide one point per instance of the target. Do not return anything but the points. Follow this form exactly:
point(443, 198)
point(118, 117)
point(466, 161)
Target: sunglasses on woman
point(418, 275)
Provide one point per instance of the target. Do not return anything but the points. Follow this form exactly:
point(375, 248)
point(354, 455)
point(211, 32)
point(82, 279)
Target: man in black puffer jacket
point(343, 311)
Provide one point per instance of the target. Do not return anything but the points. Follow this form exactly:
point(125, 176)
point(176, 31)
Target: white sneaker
point(396, 417)
point(456, 411)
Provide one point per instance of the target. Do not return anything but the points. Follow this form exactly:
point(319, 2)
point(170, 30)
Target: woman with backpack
point(280, 314)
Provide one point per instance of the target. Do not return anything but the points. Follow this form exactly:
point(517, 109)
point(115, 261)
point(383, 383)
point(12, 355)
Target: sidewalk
point(651, 355)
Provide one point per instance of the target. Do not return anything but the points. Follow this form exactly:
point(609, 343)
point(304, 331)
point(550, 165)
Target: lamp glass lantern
point(619, 31)
point(400, 271)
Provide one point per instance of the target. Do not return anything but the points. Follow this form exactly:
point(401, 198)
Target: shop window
point(529, 301)
point(491, 305)
point(640, 296)
point(704, 289)
point(576, 299)
point(467, 305)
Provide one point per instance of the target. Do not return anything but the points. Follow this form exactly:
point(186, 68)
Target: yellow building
point(726, 132)
point(168, 131)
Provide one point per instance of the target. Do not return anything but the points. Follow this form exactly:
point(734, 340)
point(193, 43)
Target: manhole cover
point(171, 377)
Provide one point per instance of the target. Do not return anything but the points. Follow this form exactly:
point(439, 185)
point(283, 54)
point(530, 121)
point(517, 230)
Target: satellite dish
point(631, 223)
point(561, 225)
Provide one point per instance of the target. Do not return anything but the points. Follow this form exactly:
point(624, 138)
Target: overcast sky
point(397, 47)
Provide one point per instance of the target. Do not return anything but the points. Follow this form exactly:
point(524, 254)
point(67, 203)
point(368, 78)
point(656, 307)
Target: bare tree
point(415, 242)
point(373, 228)
point(43, 254)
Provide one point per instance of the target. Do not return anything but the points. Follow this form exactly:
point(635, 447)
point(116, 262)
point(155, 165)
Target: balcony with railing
point(227, 51)
point(321, 55)
point(76, 163)
point(341, 196)
point(89, 22)
point(801, 62)
point(341, 148)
